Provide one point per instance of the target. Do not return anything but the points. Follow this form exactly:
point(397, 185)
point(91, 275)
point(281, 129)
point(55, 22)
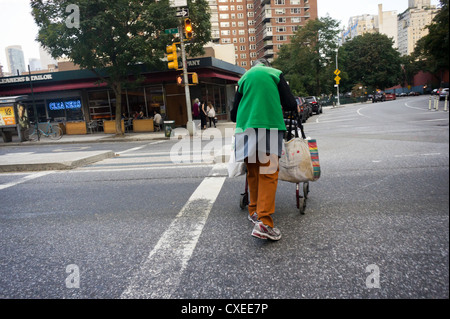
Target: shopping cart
point(294, 127)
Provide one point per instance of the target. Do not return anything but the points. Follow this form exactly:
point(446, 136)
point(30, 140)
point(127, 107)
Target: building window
point(69, 108)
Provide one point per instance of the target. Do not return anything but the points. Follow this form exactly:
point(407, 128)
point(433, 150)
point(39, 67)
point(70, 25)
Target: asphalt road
point(141, 226)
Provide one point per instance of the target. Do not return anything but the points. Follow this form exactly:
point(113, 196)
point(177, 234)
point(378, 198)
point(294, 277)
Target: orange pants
point(262, 188)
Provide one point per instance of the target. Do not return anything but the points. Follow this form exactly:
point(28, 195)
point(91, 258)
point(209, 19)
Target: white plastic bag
point(235, 168)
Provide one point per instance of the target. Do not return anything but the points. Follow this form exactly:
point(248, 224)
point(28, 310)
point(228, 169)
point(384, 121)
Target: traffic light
point(180, 80)
point(172, 57)
point(188, 28)
point(194, 78)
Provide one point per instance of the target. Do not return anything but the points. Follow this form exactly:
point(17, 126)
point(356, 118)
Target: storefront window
point(68, 108)
point(99, 105)
point(154, 96)
point(40, 109)
point(136, 103)
point(216, 95)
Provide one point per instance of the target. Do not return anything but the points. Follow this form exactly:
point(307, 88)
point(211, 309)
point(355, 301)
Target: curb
point(49, 166)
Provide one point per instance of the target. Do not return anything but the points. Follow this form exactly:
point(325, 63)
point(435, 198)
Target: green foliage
point(432, 51)
point(370, 59)
point(308, 61)
point(117, 36)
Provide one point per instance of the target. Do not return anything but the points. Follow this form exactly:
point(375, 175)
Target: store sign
point(64, 104)
point(22, 79)
point(7, 115)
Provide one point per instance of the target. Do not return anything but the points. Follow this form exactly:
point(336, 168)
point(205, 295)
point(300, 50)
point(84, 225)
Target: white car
point(443, 93)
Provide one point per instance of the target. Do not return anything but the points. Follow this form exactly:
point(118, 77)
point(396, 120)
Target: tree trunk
point(117, 87)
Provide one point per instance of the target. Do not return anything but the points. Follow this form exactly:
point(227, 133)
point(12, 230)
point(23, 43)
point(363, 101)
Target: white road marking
point(138, 148)
point(136, 168)
point(359, 113)
point(25, 179)
point(160, 274)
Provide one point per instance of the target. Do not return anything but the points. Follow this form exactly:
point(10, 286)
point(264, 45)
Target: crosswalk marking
point(160, 274)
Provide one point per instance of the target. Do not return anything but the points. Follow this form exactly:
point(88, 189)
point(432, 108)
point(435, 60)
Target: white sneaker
point(263, 231)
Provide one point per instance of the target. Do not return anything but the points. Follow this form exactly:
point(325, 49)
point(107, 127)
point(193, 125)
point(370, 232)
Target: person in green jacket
point(261, 97)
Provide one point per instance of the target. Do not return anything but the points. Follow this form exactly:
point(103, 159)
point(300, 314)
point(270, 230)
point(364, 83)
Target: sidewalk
point(15, 159)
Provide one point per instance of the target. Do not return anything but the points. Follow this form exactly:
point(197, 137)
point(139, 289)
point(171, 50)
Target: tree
point(307, 61)
point(432, 51)
point(371, 60)
point(115, 38)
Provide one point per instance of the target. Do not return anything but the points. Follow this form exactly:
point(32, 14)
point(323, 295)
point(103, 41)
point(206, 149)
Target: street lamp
point(337, 85)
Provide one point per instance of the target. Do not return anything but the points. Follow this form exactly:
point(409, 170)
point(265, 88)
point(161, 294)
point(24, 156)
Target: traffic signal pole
point(190, 124)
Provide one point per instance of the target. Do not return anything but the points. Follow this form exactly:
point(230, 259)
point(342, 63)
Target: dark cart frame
point(301, 191)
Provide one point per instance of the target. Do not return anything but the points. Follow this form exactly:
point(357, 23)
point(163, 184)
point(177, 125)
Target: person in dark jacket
point(260, 99)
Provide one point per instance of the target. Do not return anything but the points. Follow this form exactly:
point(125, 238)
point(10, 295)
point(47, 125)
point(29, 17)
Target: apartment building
point(358, 25)
point(15, 59)
point(405, 29)
point(412, 24)
point(258, 28)
point(387, 24)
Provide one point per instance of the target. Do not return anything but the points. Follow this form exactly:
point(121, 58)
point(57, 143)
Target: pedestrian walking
point(211, 114)
point(203, 115)
point(196, 109)
point(260, 99)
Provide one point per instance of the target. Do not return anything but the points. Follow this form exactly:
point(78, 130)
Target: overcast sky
point(18, 28)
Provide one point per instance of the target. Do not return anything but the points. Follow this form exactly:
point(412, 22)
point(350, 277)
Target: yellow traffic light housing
point(172, 57)
point(188, 28)
point(194, 78)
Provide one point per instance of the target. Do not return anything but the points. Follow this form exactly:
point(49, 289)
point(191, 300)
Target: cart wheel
point(244, 200)
point(302, 202)
point(305, 189)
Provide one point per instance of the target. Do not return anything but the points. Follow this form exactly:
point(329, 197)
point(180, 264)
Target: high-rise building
point(412, 24)
point(46, 58)
point(387, 24)
point(35, 64)
point(258, 28)
point(358, 25)
point(15, 59)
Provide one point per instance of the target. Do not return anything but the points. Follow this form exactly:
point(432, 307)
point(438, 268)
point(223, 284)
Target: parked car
point(390, 96)
point(435, 92)
point(412, 93)
point(443, 93)
point(403, 94)
point(379, 97)
point(315, 105)
point(304, 108)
